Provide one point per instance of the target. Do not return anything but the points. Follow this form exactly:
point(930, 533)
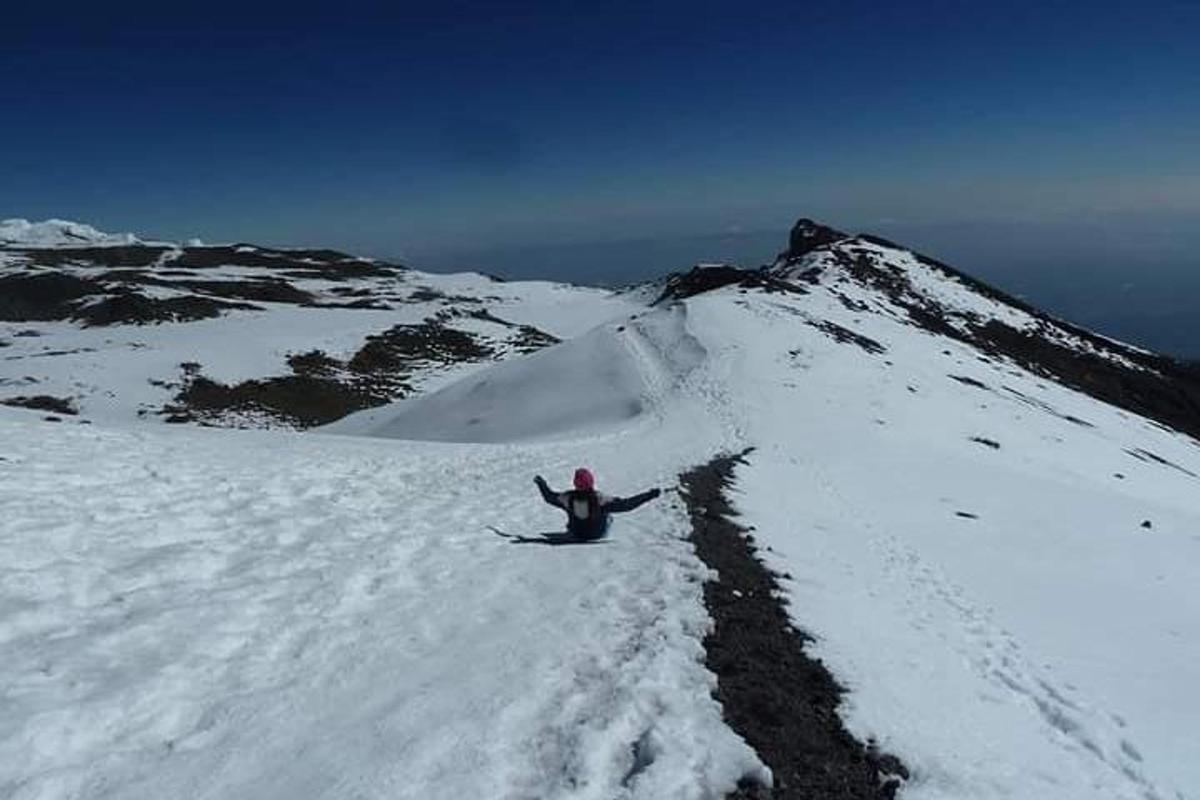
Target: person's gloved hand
point(539, 480)
point(655, 492)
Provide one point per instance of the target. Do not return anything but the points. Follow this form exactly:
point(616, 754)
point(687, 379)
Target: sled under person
point(588, 511)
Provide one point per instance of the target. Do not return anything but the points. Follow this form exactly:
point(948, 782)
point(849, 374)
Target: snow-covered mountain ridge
point(942, 300)
point(987, 519)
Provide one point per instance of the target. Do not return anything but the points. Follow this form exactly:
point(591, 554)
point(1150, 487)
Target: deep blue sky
point(459, 132)
point(461, 126)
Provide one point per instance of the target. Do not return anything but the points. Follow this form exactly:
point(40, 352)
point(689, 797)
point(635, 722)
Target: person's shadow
point(553, 539)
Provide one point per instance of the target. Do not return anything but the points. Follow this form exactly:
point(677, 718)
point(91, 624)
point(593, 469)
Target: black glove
point(539, 480)
point(655, 493)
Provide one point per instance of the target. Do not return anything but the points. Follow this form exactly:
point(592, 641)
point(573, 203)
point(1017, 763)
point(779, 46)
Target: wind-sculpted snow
point(589, 384)
point(274, 616)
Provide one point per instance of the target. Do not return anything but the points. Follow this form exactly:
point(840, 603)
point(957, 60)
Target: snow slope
point(965, 536)
point(1042, 647)
point(276, 615)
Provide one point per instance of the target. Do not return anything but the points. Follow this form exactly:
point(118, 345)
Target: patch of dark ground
point(321, 388)
point(298, 400)
point(847, 336)
point(42, 296)
point(427, 294)
point(263, 290)
point(42, 292)
point(968, 381)
point(51, 295)
point(698, 280)
point(1153, 458)
point(43, 402)
point(133, 308)
point(134, 255)
point(329, 264)
point(782, 701)
point(527, 339)
point(1049, 409)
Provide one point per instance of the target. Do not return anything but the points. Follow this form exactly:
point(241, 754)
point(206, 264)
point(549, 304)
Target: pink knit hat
point(584, 481)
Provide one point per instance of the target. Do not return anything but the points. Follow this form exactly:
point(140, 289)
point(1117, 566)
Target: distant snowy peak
point(58, 233)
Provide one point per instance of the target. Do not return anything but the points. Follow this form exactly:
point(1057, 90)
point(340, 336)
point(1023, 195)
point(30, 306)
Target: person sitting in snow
point(587, 510)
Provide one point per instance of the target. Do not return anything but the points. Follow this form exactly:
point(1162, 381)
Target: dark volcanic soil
point(321, 388)
point(705, 279)
point(43, 402)
point(780, 700)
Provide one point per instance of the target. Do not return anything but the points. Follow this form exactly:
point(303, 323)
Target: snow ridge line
point(776, 697)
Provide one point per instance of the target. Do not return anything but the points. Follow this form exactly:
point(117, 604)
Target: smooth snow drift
point(581, 386)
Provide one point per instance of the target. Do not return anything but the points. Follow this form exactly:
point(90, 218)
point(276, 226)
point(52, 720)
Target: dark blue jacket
point(588, 511)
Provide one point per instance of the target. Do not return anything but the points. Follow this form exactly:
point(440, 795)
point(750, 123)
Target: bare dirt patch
point(782, 701)
point(43, 402)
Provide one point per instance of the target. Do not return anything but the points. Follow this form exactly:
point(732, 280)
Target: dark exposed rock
point(528, 338)
point(707, 278)
point(847, 336)
point(136, 309)
point(322, 389)
point(301, 400)
point(134, 255)
point(314, 364)
point(209, 256)
point(777, 697)
point(43, 402)
point(807, 235)
point(41, 296)
point(967, 381)
point(265, 290)
point(1153, 458)
point(324, 263)
point(398, 348)
point(1156, 387)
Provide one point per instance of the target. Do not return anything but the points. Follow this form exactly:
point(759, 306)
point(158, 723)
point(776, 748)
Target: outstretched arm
point(550, 497)
point(619, 504)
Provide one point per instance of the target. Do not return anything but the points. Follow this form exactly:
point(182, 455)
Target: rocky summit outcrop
point(808, 235)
